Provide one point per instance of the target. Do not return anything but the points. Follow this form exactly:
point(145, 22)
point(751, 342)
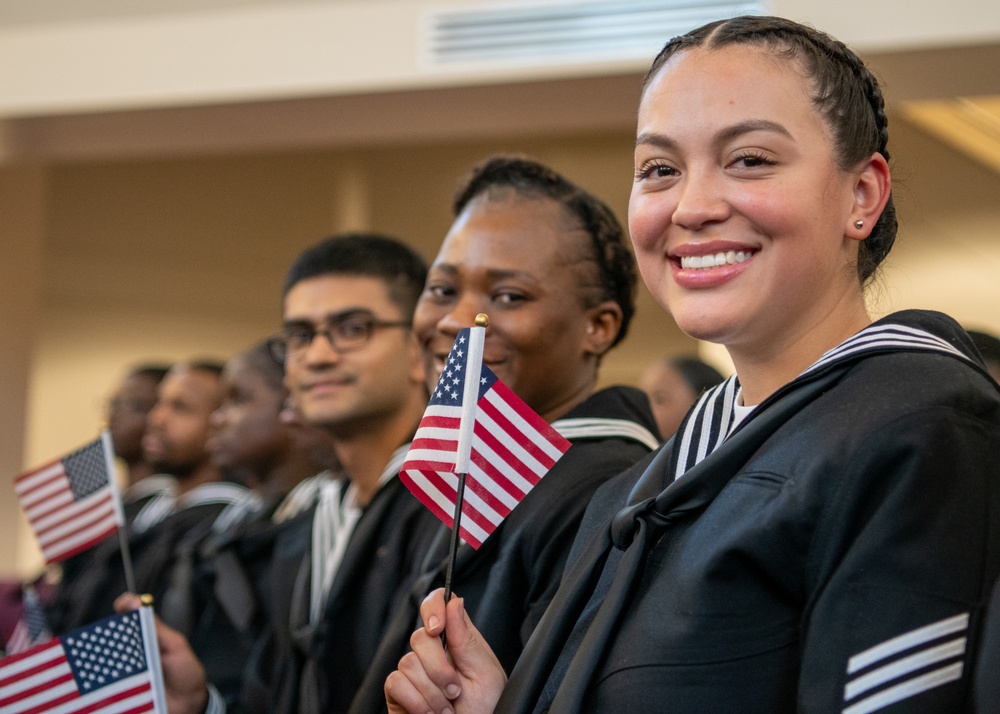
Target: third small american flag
point(72, 502)
point(512, 448)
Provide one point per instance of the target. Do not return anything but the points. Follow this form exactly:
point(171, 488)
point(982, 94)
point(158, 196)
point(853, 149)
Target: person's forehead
point(236, 367)
point(319, 297)
point(138, 384)
point(190, 384)
point(512, 234)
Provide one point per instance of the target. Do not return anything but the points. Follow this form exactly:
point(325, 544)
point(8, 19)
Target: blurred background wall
point(163, 161)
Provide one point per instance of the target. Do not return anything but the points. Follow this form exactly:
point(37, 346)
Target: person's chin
point(222, 460)
point(322, 416)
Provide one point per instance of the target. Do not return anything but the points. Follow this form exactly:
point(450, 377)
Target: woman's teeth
point(714, 261)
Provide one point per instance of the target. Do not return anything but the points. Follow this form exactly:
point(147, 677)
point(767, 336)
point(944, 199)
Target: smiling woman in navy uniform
point(821, 534)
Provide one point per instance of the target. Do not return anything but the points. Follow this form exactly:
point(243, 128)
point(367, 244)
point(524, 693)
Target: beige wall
point(947, 256)
point(23, 192)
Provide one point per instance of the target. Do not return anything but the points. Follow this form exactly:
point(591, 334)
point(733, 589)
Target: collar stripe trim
point(596, 428)
point(886, 336)
point(708, 425)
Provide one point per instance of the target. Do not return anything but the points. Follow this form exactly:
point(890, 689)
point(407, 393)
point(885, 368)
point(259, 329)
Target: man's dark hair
point(261, 360)
point(366, 255)
point(607, 248)
point(212, 366)
point(154, 372)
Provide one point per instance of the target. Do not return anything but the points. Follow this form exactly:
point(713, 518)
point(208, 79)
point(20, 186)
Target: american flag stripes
point(512, 449)
point(72, 502)
point(32, 627)
point(110, 666)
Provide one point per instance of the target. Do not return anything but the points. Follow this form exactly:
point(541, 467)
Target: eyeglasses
point(345, 333)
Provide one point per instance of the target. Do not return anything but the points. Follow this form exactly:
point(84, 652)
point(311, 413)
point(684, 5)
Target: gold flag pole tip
point(482, 320)
point(146, 599)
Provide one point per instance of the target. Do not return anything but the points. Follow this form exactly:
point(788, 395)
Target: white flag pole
point(152, 648)
point(463, 455)
point(109, 459)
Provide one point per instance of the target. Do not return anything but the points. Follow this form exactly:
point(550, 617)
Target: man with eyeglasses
point(353, 367)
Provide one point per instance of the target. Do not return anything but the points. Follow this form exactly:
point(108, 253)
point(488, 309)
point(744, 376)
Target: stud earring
point(859, 224)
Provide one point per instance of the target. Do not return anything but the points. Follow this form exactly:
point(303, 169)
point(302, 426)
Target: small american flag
point(512, 449)
point(72, 503)
point(109, 666)
point(31, 627)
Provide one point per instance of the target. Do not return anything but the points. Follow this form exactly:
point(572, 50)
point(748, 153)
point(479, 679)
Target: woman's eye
point(655, 170)
point(752, 160)
point(508, 298)
point(439, 292)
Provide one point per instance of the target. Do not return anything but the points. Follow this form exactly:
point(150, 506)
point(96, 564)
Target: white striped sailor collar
point(337, 515)
point(303, 496)
point(576, 429)
point(149, 486)
point(710, 421)
point(242, 509)
point(222, 492)
point(158, 508)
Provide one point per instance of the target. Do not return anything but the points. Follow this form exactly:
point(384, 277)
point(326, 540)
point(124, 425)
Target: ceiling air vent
point(563, 31)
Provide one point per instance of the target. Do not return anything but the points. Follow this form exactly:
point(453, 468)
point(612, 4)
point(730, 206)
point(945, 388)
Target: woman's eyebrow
point(663, 141)
point(751, 125)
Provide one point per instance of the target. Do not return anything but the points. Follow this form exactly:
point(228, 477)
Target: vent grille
point(563, 31)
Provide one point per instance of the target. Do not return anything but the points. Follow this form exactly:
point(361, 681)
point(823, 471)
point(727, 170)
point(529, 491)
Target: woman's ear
point(604, 322)
point(871, 192)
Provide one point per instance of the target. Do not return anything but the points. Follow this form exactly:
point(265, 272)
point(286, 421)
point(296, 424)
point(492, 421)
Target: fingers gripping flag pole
point(479, 449)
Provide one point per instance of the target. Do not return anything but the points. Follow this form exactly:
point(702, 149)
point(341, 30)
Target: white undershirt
point(740, 412)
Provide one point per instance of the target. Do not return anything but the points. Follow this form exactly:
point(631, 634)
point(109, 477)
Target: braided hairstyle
point(530, 179)
point(845, 93)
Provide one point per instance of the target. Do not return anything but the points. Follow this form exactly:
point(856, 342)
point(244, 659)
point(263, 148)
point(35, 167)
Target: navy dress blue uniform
point(232, 593)
point(834, 552)
point(302, 666)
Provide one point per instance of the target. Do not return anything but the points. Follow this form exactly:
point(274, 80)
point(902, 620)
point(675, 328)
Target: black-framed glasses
point(345, 333)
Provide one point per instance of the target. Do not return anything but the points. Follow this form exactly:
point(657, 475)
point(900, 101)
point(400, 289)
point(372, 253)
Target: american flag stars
point(106, 653)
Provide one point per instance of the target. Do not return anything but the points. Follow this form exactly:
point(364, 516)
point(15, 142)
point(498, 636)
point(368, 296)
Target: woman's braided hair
point(846, 94)
point(615, 264)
